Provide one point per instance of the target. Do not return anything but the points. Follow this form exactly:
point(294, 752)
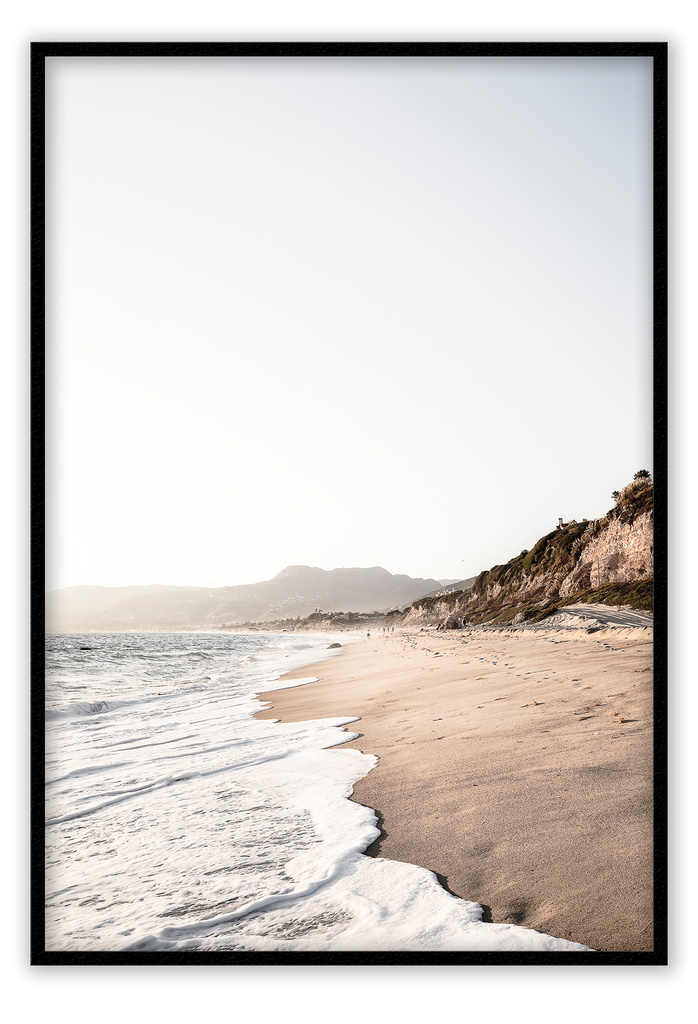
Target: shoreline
point(503, 768)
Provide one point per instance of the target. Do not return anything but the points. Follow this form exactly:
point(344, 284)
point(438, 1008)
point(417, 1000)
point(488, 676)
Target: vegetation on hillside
point(529, 583)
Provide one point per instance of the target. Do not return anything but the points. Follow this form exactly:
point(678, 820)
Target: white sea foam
point(176, 821)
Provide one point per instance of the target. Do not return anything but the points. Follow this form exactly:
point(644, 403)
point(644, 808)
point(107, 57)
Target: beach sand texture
point(516, 765)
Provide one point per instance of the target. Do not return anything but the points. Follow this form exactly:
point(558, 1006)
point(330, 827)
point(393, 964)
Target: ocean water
point(177, 821)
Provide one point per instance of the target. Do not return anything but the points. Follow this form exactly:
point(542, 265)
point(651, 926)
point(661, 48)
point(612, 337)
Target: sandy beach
point(516, 765)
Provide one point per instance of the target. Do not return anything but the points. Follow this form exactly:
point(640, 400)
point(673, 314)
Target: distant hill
point(297, 591)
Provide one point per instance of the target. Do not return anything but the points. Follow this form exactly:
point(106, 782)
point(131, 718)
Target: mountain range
point(298, 590)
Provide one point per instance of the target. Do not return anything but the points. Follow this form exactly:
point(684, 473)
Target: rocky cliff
point(608, 560)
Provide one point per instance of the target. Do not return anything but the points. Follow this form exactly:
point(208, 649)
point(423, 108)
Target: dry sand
point(504, 769)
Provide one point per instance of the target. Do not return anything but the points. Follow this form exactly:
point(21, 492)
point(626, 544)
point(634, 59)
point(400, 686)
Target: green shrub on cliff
point(535, 555)
point(565, 542)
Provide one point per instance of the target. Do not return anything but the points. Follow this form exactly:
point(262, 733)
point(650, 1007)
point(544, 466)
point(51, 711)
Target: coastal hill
point(297, 591)
point(606, 561)
point(603, 561)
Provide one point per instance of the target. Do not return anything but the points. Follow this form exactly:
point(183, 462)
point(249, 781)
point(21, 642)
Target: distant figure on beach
point(368, 633)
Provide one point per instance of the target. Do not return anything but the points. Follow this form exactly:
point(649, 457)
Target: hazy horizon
point(156, 583)
point(340, 311)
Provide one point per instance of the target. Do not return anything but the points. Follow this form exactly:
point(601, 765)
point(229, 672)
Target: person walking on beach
point(368, 633)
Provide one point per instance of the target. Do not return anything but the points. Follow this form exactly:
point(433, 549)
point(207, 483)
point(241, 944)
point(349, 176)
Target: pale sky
point(341, 312)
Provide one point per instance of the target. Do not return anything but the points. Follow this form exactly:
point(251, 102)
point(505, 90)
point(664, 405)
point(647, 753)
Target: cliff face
point(611, 557)
point(425, 611)
point(621, 553)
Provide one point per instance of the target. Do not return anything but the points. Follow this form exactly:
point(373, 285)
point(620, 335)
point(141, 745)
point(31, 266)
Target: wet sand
point(505, 767)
